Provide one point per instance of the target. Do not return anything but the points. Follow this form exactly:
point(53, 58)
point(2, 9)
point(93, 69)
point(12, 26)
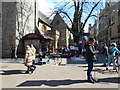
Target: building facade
point(65, 38)
point(8, 27)
point(93, 30)
point(0, 29)
point(17, 21)
point(109, 23)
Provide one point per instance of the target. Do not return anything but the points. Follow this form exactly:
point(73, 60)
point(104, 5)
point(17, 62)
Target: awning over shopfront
point(34, 36)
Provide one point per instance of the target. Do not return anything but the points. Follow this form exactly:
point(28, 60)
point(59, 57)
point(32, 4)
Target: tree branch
point(67, 16)
point(89, 15)
point(94, 16)
point(75, 4)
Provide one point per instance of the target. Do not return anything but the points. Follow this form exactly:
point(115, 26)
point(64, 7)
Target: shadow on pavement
point(53, 83)
point(11, 72)
point(110, 80)
point(110, 71)
point(95, 65)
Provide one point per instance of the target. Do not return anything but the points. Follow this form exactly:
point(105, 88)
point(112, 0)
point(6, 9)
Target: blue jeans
point(111, 58)
point(89, 72)
point(104, 59)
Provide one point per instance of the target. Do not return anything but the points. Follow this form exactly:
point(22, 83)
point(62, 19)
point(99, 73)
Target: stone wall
point(59, 24)
point(17, 21)
point(0, 29)
point(8, 27)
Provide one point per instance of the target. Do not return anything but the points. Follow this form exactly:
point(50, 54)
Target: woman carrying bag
point(90, 56)
point(111, 55)
point(28, 59)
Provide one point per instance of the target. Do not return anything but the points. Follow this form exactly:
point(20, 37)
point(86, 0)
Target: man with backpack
point(111, 55)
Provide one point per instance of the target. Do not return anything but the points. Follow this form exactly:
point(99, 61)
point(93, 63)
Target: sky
point(46, 6)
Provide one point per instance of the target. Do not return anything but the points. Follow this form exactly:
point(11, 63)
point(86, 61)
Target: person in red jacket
point(90, 57)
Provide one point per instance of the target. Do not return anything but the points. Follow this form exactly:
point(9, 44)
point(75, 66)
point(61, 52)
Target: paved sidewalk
point(53, 76)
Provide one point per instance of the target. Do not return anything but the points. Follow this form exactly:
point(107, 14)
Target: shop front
point(40, 42)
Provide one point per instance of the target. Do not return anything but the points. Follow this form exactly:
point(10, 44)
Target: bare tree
point(76, 11)
point(24, 13)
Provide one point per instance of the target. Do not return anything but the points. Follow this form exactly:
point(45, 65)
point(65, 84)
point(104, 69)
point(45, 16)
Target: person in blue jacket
point(111, 56)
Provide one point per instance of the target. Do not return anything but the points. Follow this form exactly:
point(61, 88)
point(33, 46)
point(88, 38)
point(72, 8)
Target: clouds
point(45, 7)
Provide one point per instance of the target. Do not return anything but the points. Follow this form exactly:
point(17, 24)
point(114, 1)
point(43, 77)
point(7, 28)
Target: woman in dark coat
point(90, 58)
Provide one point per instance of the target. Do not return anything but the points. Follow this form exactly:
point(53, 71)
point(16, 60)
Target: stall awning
point(34, 36)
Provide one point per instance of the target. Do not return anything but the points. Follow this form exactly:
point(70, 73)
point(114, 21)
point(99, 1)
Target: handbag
point(94, 58)
point(110, 51)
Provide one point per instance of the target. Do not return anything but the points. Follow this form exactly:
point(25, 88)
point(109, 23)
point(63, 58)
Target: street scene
point(70, 74)
point(60, 44)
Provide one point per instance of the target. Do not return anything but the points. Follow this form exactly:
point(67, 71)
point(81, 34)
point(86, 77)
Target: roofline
point(40, 20)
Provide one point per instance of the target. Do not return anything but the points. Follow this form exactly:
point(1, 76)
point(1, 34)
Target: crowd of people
point(90, 54)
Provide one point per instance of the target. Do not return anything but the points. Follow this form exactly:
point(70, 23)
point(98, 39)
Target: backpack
point(110, 51)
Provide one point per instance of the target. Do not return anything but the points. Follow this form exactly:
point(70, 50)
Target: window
point(57, 23)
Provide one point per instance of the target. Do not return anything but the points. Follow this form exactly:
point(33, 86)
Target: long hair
point(91, 39)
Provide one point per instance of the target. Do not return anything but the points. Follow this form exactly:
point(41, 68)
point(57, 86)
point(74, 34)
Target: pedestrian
point(96, 44)
point(13, 52)
point(104, 52)
point(90, 56)
point(111, 55)
point(34, 55)
point(40, 54)
point(28, 58)
point(50, 49)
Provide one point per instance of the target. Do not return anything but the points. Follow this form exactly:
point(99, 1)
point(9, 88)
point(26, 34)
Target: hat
point(113, 44)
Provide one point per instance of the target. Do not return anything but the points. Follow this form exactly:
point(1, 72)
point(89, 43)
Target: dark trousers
point(29, 68)
point(33, 64)
point(89, 71)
